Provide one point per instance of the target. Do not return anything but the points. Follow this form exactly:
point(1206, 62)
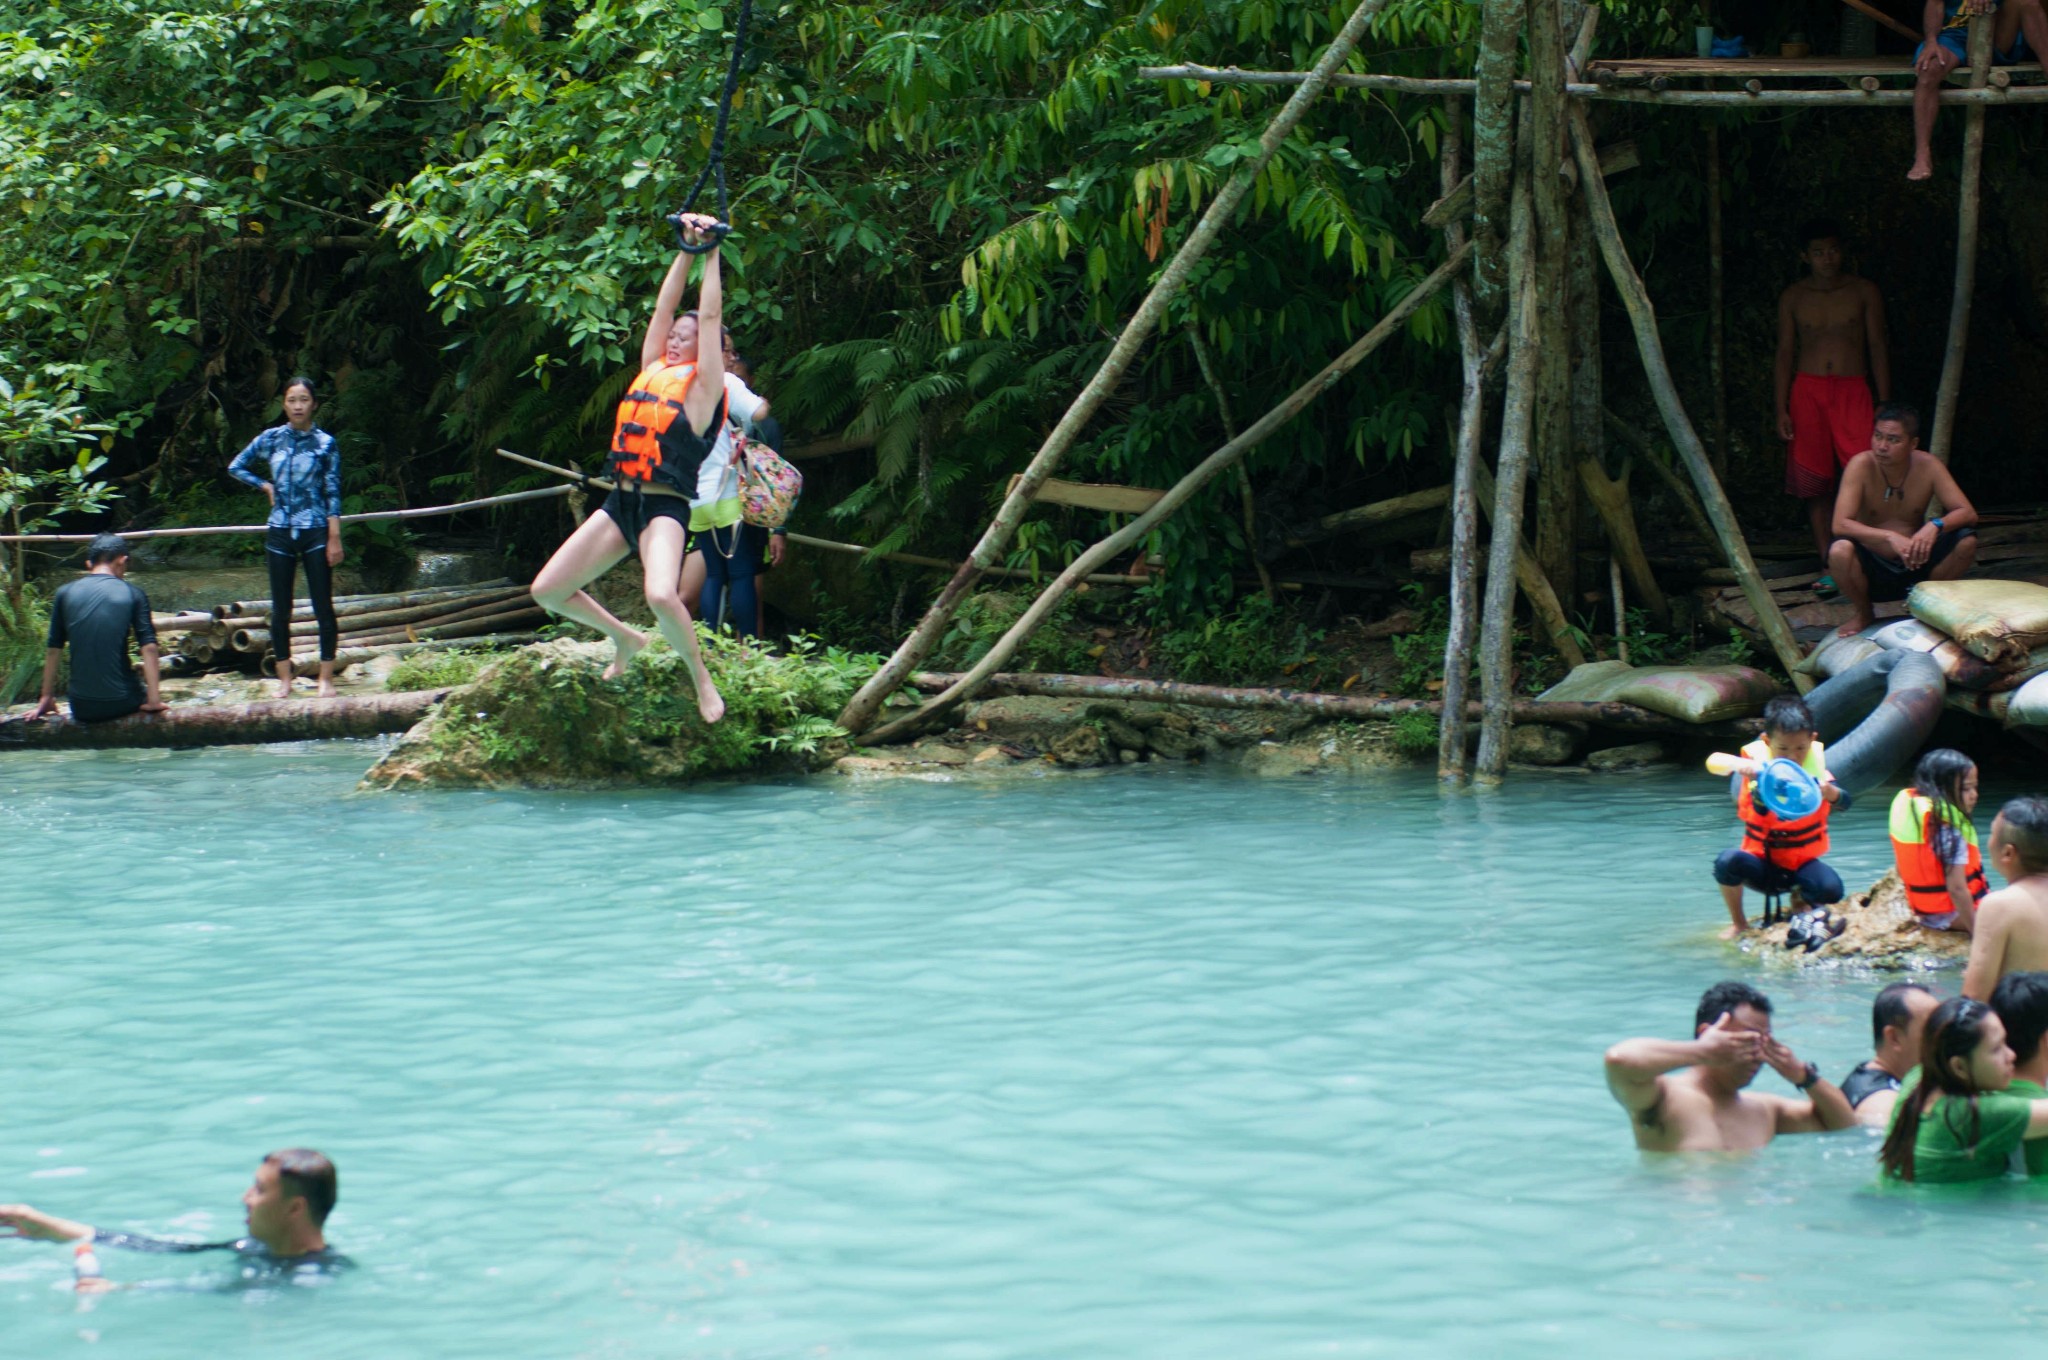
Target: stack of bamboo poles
point(239, 634)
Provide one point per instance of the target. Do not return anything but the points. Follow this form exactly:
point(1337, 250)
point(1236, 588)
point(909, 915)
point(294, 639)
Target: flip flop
point(1826, 587)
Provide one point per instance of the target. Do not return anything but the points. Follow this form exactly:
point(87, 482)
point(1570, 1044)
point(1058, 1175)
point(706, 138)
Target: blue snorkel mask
point(1788, 791)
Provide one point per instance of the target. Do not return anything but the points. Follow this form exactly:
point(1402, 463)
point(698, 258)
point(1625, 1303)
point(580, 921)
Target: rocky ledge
point(1882, 933)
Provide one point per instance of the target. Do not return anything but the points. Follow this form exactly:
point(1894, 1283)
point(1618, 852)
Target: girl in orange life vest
point(1777, 856)
point(669, 445)
point(1934, 844)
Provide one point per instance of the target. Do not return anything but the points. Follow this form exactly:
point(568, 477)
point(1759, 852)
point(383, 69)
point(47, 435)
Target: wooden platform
point(1847, 70)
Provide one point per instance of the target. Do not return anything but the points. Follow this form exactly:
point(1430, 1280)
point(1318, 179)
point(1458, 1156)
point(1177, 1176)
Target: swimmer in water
point(1689, 1096)
point(285, 1209)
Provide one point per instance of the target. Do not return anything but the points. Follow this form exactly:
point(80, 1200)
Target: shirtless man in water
point(2012, 923)
point(1690, 1097)
point(1831, 348)
point(1884, 544)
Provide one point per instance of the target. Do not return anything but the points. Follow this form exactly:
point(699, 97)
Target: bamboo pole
point(1493, 153)
point(518, 620)
point(366, 715)
point(1716, 320)
point(1620, 609)
point(1207, 363)
point(1464, 549)
point(355, 656)
point(1367, 516)
point(828, 545)
point(257, 639)
point(1762, 97)
point(241, 612)
point(358, 620)
point(1497, 616)
point(1942, 439)
point(1176, 496)
point(1643, 317)
point(204, 530)
point(1600, 713)
point(860, 711)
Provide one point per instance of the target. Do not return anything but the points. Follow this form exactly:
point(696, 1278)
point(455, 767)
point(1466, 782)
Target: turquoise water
point(1161, 1064)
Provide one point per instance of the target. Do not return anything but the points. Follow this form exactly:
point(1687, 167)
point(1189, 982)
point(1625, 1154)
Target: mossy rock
point(544, 717)
point(1882, 933)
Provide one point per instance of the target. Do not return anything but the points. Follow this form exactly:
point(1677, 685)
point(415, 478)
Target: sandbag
point(1694, 694)
point(2027, 706)
point(1836, 653)
point(2000, 621)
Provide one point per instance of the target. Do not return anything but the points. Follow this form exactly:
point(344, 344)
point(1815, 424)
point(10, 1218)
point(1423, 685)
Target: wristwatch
point(1936, 522)
point(1812, 1076)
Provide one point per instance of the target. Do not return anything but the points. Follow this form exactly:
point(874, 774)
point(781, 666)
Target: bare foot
point(284, 689)
point(327, 690)
point(710, 704)
point(623, 656)
point(1856, 625)
point(1923, 168)
point(1730, 932)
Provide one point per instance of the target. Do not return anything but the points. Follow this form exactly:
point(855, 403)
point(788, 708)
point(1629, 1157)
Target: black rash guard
point(257, 1261)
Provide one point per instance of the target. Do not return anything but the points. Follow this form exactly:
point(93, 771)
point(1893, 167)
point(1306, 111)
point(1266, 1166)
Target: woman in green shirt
point(1955, 1121)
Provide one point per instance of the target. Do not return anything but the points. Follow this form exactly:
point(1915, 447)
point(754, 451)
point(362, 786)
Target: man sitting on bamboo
point(1885, 544)
point(2016, 26)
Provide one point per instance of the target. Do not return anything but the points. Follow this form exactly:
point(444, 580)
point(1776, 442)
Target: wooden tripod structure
point(1526, 309)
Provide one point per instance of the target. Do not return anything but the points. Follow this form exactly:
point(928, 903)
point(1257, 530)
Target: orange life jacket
point(1780, 843)
point(652, 440)
point(1921, 871)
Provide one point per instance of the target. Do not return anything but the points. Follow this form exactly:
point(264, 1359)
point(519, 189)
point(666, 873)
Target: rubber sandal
point(1826, 588)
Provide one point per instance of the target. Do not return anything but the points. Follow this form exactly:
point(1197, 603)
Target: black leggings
point(286, 548)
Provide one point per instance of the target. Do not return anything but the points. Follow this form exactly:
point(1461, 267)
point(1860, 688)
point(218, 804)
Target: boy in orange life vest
point(1778, 856)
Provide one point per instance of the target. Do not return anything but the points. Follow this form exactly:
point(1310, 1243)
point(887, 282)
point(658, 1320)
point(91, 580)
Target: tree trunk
point(1681, 491)
point(1608, 714)
point(1176, 496)
point(1609, 496)
point(1497, 620)
point(1530, 577)
point(1643, 317)
point(1464, 549)
point(1716, 322)
point(1946, 396)
point(1493, 154)
point(230, 725)
point(860, 711)
point(1555, 539)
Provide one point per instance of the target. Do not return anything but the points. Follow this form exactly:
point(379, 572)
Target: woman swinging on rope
point(670, 454)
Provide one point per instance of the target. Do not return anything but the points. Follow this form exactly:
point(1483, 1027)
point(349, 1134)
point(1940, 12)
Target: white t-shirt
point(714, 476)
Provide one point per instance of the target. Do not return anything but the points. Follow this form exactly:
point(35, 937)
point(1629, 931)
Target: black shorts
point(633, 511)
point(1891, 581)
point(105, 710)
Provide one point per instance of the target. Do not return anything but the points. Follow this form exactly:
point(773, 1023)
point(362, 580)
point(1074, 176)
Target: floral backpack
point(769, 483)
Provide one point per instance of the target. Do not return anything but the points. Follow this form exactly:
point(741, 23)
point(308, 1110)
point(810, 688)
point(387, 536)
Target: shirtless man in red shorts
point(1829, 321)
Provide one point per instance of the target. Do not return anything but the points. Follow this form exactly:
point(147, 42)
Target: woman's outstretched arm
point(709, 386)
point(665, 304)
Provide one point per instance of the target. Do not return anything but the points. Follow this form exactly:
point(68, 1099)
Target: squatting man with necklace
point(1884, 543)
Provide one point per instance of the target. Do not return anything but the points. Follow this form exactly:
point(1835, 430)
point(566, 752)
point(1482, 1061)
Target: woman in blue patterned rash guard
point(304, 486)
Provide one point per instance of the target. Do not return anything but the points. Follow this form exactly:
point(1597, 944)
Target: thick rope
point(715, 163)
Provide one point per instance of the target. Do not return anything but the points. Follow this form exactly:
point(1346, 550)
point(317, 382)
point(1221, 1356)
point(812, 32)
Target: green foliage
point(1416, 733)
point(1255, 640)
point(436, 669)
point(1649, 647)
point(1060, 644)
point(49, 461)
point(543, 715)
point(1419, 655)
point(24, 628)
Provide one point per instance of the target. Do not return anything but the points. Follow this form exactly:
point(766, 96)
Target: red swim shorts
point(1830, 425)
